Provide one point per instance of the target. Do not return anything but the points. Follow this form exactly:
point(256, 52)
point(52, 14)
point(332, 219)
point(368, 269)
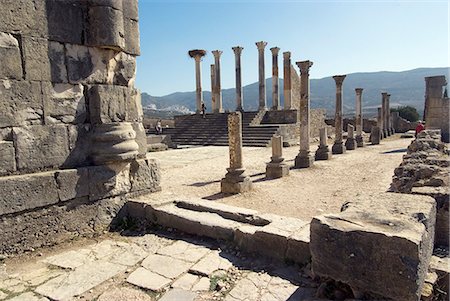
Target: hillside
point(406, 88)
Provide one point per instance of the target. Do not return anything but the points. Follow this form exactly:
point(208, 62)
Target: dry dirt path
point(196, 173)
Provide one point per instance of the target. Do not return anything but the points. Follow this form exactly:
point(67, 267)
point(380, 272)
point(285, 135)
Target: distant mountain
point(406, 88)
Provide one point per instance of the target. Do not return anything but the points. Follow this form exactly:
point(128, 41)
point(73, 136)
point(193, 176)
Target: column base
point(276, 170)
point(359, 141)
point(304, 160)
point(338, 148)
point(350, 144)
point(235, 181)
point(322, 153)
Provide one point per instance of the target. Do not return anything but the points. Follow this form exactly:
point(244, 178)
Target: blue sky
point(340, 37)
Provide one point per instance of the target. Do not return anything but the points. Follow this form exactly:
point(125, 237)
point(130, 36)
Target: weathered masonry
point(72, 144)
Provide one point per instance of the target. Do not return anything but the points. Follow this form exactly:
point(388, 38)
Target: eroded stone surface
point(124, 293)
point(186, 282)
point(29, 296)
point(211, 263)
point(148, 280)
point(168, 267)
point(184, 251)
point(178, 295)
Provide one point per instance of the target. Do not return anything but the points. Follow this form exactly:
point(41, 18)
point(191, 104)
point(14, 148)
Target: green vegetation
point(407, 112)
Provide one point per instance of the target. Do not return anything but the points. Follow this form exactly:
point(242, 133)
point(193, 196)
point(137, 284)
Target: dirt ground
point(196, 173)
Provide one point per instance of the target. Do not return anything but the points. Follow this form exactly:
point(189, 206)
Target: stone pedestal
point(261, 73)
point(375, 135)
point(276, 168)
point(323, 152)
point(350, 143)
point(237, 56)
point(235, 180)
point(217, 82)
point(359, 119)
point(338, 146)
point(304, 159)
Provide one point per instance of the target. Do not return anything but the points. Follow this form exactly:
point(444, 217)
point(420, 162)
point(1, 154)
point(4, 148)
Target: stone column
point(350, 142)
point(197, 54)
point(376, 133)
point(262, 77)
point(384, 115)
point(217, 85)
point(237, 57)
point(359, 118)
point(276, 168)
point(287, 80)
point(304, 158)
point(235, 180)
point(338, 146)
point(213, 88)
point(275, 80)
point(388, 109)
point(323, 152)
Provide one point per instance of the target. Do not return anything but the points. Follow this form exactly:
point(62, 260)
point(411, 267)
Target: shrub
point(407, 112)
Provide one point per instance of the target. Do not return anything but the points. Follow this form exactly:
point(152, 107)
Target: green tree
point(407, 112)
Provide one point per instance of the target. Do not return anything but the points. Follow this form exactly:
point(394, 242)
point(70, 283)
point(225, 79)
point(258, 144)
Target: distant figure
point(158, 127)
point(203, 110)
point(419, 128)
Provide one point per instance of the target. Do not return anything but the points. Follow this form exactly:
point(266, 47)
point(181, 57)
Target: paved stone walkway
point(154, 267)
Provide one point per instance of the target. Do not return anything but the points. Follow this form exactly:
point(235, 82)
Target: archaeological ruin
point(87, 212)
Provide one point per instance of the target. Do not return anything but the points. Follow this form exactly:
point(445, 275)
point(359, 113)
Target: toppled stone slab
point(186, 282)
point(148, 280)
point(380, 244)
point(77, 282)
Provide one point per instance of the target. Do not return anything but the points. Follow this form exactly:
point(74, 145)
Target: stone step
point(270, 235)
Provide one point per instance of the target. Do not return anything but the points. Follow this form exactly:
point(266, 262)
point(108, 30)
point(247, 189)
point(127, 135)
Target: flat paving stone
point(202, 285)
point(12, 285)
point(186, 282)
point(29, 296)
point(71, 259)
point(166, 266)
point(177, 294)
point(124, 293)
point(148, 280)
point(80, 280)
point(39, 276)
point(184, 251)
point(211, 263)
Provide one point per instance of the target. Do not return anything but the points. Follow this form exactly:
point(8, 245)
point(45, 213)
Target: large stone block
point(79, 145)
point(133, 99)
point(132, 43)
point(130, 10)
point(20, 103)
point(109, 180)
point(58, 68)
point(124, 69)
point(105, 28)
point(35, 56)
point(141, 138)
point(7, 157)
point(40, 147)
point(24, 16)
point(107, 103)
point(10, 58)
point(379, 243)
point(64, 103)
point(72, 183)
point(145, 175)
point(66, 20)
point(25, 192)
point(87, 64)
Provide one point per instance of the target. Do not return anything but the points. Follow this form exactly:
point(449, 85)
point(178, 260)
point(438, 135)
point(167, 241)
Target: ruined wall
point(72, 144)
point(436, 113)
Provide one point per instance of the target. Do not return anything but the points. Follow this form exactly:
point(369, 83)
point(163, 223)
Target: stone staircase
point(212, 130)
point(283, 238)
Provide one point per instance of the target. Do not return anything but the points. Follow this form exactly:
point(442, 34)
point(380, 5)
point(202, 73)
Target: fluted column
point(359, 118)
point(213, 88)
point(304, 158)
point(338, 146)
point(197, 55)
point(237, 56)
point(383, 109)
point(287, 80)
point(217, 84)
point(275, 79)
point(262, 77)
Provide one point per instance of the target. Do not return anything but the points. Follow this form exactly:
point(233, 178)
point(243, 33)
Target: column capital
point(339, 79)
point(261, 45)
point(384, 94)
point(237, 50)
point(275, 50)
point(359, 91)
point(217, 53)
point(304, 66)
point(287, 55)
point(197, 54)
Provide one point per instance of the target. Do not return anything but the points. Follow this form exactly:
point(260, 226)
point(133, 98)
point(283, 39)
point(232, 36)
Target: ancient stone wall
point(436, 113)
point(72, 144)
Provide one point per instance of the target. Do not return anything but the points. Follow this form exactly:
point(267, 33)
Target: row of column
point(216, 91)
